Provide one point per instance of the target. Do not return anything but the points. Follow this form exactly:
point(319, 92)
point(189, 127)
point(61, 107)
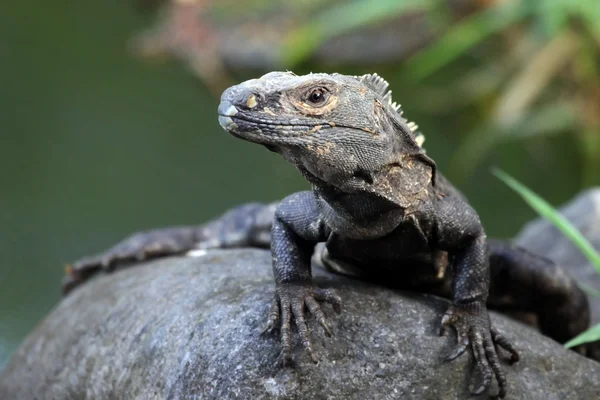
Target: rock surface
point(188, 328)
point(541, 237)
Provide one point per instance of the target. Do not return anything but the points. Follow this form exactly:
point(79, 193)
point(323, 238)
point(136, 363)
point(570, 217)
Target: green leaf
point(590, 335)
point(550, 213)
point(463, 36)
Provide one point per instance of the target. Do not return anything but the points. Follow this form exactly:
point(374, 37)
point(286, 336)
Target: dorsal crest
point(376, 83)
point(381, 87)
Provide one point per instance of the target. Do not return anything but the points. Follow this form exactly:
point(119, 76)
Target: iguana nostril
point(240, 96)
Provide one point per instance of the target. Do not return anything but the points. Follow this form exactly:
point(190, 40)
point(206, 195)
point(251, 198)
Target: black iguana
point(380, 206)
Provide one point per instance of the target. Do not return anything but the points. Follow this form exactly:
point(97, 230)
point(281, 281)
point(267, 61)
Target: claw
point(298, 311)
point(494, 362)
point(330, 296)
point(482, 388)
point(315, 310)
point(473, 328)
point(273, 317)
point(284, 359)
point(484, 367)
point(444, 324)
point(289, 303)
point(505, 344)
point(459, 350)
point(267, 328)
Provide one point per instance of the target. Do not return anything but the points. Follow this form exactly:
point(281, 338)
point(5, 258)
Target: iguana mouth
point(259, 122)
point(262, 131)
point(260, 127)
point(238, 122)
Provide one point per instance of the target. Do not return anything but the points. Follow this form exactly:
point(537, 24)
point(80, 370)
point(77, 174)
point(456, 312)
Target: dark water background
point(95, 144)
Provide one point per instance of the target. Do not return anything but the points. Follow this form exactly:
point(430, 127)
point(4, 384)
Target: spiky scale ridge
point(377, 84)
point(380, 86)
point(420, 139)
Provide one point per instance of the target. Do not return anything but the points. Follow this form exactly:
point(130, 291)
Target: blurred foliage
point(528, 68)
point(535, 69)
point(267, 34)
point(548, 81)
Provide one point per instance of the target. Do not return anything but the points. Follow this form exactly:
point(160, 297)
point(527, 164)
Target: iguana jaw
point(264, 128)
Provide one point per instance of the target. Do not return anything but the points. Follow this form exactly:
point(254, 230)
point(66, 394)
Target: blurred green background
point(96, 143)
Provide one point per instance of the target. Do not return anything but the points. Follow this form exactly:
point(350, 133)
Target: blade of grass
point(547, 211)
point(551, 214)
point(590, 335)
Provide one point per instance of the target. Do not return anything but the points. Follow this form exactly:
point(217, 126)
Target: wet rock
point(188, 328)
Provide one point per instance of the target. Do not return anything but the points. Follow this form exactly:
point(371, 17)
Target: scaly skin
point(382, 210)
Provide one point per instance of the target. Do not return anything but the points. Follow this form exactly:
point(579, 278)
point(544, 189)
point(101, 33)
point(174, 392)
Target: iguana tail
point(248, 225)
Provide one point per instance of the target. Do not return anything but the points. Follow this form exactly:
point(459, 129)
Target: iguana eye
point(317, 96)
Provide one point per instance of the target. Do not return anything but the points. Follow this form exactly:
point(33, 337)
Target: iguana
point(378, 207)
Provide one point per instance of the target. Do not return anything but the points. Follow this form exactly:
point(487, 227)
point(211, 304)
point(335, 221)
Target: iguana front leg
point(247, 225)
point(298, 226)
point(459, 232)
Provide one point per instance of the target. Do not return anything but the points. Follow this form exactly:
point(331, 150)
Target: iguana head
point(339, 130)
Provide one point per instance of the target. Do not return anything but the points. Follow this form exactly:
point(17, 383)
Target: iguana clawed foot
point(289, 303)
point(472, 325)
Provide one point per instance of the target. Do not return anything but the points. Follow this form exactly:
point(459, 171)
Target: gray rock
point(541, 237)
point(188, 328)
